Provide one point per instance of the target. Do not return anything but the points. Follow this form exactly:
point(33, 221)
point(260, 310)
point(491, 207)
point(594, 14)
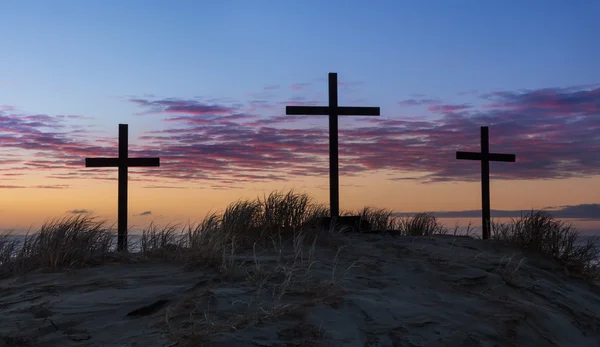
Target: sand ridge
point(377, 290)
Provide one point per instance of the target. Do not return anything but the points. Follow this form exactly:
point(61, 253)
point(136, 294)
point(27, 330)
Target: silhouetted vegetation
point(277, 219)
point(539, 232)
point(61, 243)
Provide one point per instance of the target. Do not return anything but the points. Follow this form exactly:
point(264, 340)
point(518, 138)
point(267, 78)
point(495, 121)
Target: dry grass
point(217, 238)
point(378, 219)
point(284, 212)
point(281, 275)
point(61, 243)
point(508, 268)
point(9, 246)
point(267, 246)
point(539, 232)
point(77, 241)
point(421, 224)
point(264, 244)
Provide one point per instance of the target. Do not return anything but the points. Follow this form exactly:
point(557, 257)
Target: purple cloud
point(164, 187)
point(179, 106)
point(82, 211)
point(51, 145)
point(11, 187)
point(426, 147)
point(581, 212)
point(553, 132)
point(55, 186)
point(418, 102)
point(447, 108)
point(300, 86)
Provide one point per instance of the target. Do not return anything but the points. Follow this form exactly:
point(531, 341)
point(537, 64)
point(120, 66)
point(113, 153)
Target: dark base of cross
point(333, 111)
point(122, 162)
point(347, 223)
point(485, 157)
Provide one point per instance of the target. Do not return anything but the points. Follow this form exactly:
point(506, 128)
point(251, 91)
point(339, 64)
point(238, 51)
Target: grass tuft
point(378, 219)
point(69, 242)
point(284, 212)
point(538, 231)
point(421, 224)
point(280, 218)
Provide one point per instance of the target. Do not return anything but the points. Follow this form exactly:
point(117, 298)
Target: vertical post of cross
point(333, 111)
point(122, 187)
point(122, 162)
point(485, 157)
point(334, 169)
point(486, 213)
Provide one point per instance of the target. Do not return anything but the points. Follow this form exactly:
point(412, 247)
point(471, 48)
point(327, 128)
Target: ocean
point(134, 241)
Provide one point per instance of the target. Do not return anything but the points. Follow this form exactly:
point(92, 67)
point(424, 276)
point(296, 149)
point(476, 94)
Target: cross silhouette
point(333, 111)
point(122, 162)
point(485, 157)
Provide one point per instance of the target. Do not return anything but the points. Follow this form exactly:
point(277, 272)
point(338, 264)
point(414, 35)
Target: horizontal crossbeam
point(116, 162)
point(491, 156)
point(326, 110)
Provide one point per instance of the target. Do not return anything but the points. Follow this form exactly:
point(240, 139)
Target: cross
point(485, 157)
point(333, 111)
point(122, 162)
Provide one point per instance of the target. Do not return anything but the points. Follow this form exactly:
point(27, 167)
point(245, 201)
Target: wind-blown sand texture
point(377, 290)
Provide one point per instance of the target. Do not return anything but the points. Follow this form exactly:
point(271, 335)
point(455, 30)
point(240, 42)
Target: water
point(134, 242)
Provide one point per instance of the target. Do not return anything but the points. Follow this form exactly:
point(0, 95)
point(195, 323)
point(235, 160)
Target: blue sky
point(529, 69)
point(94, 50)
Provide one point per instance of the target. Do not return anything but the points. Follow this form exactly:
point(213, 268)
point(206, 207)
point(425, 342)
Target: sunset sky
point(204, 84)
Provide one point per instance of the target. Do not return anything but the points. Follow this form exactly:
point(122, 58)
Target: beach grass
point(538, 231)
point(68, 242)
point(271, 248)
point(78, 241)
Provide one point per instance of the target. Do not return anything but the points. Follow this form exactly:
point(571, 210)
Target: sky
point(204, 84)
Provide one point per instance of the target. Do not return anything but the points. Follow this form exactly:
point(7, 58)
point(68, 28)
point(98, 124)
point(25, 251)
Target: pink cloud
point(418, 102)
point(300, 86)
point(447, 108)
point(553, 132)
point(190, 107)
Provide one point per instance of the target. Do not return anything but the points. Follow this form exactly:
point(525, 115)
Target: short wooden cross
point(485, 157)
point(122, 162)
point(333, 111)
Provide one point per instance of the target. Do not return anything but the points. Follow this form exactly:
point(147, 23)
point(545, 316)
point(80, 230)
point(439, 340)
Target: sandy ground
point(378, 290)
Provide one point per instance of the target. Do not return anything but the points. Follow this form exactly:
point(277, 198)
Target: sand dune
point(378, 290)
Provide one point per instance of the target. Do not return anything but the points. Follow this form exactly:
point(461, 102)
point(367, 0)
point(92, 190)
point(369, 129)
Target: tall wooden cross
point(485, 157)
point(122, 162)
point(333, 111)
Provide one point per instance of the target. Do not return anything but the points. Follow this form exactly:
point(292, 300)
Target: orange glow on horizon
point(22, 208)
